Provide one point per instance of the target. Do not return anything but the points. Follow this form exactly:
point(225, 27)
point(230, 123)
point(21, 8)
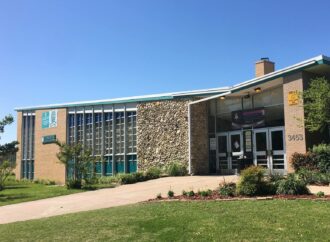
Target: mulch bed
point(216, 196)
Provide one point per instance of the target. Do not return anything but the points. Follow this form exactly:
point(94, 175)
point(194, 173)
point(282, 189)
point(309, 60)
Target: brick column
point(295, 136)
point(199, 138)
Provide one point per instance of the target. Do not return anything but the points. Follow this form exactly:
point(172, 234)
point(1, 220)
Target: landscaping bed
point(214, 195)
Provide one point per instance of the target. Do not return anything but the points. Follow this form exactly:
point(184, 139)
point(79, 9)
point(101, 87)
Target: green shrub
point(292, 185)
point(184, 193)
point(322, 156)
point(130, 178)
point(191, 193)
point(170, 194)
point(73, 184)
point(176, 169)
point(227, 189)
point(314, 177)
point(44, 182)
point(107, 180)
point(304, 161)
point(153, 173)
point(320, 194)
point(251, 181)
point(205, 193)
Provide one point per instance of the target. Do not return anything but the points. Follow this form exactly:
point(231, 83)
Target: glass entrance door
point(269, 149)
point(223, 152)
point(236, 149)
point(277, 147)
point(230, 149)
point(260, 148)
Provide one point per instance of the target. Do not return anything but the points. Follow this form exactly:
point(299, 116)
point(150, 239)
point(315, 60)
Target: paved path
point(105, 198)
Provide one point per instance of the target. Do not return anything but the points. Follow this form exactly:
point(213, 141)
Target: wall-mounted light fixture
point(222, 97)
point(257, 90)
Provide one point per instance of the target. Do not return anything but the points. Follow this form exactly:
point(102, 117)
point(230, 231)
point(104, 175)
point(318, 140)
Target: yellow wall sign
point(293, 98)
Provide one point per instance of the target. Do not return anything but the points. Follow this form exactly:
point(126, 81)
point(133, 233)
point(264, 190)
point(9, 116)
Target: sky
point(58, 51)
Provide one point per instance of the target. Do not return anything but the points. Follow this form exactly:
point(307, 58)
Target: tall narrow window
point(28, 129)
point(98, 133)
point(71, 128)
point(80, 128)
point(131, 132)
point(120, 132)
point(88, 130)
point(108, 133)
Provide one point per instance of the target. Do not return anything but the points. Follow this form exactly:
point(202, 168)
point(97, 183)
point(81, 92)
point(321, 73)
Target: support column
point(295, 137)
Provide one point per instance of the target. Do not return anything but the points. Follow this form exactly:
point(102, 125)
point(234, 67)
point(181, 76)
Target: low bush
point(176, 169)
point(44, 182)
point(314, 177)
point(73, 184)
point(292, 185)
point(317, 159)
point(107, 180)
point(153, 173)
point(304, 161)
point(205, 193)
point(251, 181)
point(320, 194)
point(184, 193)
point(322, 156)
point(227, 189)
point(170, 194)
point(191, 193)
point(130, 178)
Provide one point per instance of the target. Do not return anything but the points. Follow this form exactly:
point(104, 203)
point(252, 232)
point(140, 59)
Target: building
point(210, 130)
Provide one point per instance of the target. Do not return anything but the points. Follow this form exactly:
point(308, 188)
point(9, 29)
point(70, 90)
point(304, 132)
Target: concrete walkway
point(105, 198)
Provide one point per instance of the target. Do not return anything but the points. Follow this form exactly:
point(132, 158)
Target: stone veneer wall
point(162, 133)
point(199, 138)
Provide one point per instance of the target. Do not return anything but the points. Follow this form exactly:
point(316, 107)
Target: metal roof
point(321, 59)
point(144, 98)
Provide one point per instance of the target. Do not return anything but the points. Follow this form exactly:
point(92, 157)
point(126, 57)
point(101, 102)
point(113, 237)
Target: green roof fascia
point(277, 76)
point(147, 99)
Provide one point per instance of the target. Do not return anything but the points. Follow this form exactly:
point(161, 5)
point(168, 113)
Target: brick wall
point(199, 138)
point(46, 164)
point(295, 136)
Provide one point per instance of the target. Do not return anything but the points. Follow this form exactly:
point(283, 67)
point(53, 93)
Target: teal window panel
point(120, 167)
point(132, 163)
point(98, 168)
point(70, 170)
point(108, 167)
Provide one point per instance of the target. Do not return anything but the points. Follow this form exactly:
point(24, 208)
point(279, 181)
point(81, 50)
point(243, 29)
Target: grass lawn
point(19, 191)
point(280, 220)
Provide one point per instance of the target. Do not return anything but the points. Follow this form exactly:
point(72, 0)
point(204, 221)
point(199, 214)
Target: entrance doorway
point(268, 150)
point(230, 150)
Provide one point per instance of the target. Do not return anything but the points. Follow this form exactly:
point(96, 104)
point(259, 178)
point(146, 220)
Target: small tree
point(7, 151)
point(6, 169)
point(81, 161)
point(317, 105)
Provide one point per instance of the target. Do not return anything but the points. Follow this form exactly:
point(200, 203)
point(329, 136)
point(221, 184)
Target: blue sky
point(71, 50)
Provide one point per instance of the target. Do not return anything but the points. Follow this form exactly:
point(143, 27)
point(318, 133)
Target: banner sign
point(49, 119)
point(248, 118)
point(48, 139)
